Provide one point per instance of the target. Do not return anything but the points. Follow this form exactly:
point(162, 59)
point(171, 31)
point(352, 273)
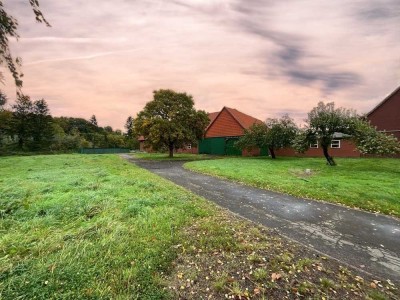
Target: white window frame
point(314, 146)
point(335, 144)
point(189, 146)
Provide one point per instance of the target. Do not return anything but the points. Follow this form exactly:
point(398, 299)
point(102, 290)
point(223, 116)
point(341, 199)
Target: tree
point(6, 118)
point(129, 127)
point(171, 121)
point(131, 140)
point(273, 134)
point(325, 121)
point(93, 120)
point(42, 125)
point(3, 100)
point(9, 29)
point(22, 120)
point(371, 141)
point(32, 123)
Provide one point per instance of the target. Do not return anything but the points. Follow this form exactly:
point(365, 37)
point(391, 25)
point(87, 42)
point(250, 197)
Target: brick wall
point(347, 149)
point(252, 152)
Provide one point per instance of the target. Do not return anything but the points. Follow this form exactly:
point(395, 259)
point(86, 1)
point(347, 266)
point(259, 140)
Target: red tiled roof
point(212, 116)
point(244, 120)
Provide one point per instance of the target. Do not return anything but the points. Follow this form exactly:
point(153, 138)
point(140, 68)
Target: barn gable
point(229, 122)
point(386, 115)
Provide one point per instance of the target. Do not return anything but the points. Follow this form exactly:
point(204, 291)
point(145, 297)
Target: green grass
point(88, 227)
point(98, 227)
point(371, 184)
point(177, 156)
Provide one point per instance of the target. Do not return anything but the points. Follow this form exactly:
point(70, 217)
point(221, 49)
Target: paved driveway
point(369, 242)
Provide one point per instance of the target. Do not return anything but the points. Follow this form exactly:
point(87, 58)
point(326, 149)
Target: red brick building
point(386, 115)
point(338, 148)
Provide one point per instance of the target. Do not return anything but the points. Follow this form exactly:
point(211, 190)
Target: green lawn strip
point(177, 156)
point(369, 183)
point(88, 227)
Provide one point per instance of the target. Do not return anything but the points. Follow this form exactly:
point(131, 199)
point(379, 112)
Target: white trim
point(335, 144)
point(314, 146)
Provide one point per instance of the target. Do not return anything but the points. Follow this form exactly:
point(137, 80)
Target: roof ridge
point(237, 120)
point(384, 100)
point(240, 112)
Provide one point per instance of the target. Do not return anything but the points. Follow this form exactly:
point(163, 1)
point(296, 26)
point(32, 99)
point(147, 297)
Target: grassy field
point(98, 227)
point(370, 184)
point(75, 226)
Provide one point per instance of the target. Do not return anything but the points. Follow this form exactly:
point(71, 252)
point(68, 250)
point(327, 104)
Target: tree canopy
point(9, 29)
point(170, 121)
point(273, 134)
point(93, 120)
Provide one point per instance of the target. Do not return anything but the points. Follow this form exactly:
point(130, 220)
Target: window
point(189, 146)
point(335, 144)
point(315, 145)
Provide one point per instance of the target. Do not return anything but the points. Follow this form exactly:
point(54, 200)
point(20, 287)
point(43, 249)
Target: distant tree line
point(27, 126)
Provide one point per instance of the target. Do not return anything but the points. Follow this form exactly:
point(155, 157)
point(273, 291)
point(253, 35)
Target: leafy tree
point(371, 141)
point(129, 127)
point(6, 118)
point(9, 29)
point(131, 140)
point(171, 121)
point(32, 124)
point(22, 120)
point(90, 135)
point(324, 121)
point(93, 120)
point(273, 134)
point(108, 129)
point(42, 125)
point(3, 100)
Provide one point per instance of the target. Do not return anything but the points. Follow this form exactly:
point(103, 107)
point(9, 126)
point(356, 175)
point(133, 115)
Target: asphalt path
point(366, 241)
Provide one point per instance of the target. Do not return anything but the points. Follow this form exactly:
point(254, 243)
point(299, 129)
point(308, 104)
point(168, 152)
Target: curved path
point(366, 241)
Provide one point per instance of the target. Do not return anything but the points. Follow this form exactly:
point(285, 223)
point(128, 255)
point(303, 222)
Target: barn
point(225, 128)
point(386, 115)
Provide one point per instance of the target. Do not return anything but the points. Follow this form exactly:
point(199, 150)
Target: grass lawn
point(177, 156)
point(87, 226)
point(98, 227)
point(372, 184)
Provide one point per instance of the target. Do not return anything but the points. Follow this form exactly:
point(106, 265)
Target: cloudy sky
point(262, 57)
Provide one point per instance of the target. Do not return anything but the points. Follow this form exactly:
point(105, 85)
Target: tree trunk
point(329, 158)
point(272, 152)
point(171, 150)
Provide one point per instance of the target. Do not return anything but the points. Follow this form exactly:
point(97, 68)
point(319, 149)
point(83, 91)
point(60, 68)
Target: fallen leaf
point(373, 285)
point(275, 276)
point(359, 279)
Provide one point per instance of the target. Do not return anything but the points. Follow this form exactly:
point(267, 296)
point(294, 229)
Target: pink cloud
point(264, 58)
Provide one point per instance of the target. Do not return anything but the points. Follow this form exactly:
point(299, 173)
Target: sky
point(262, 57)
